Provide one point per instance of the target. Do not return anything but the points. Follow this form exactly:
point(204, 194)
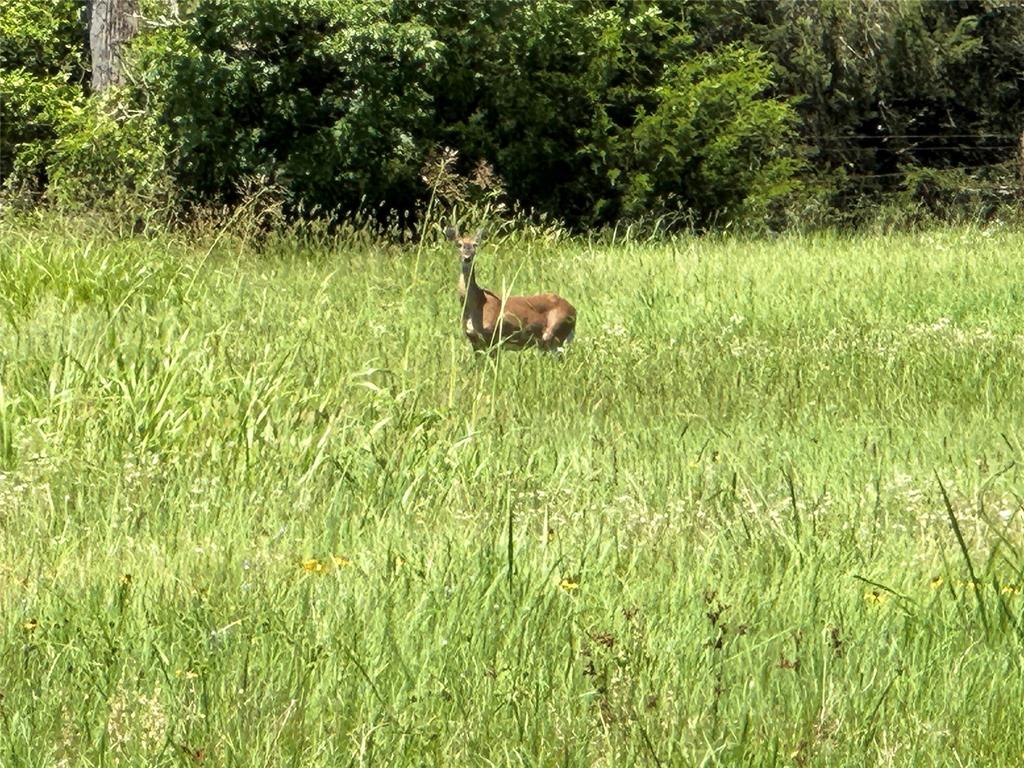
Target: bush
point(323, 98)
point(714, 145)
point(42, 72)
point(113, 157)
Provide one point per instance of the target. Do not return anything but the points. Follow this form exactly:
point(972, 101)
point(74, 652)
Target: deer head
point(466, 245)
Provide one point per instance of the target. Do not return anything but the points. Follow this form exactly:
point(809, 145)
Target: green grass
point(713, 532)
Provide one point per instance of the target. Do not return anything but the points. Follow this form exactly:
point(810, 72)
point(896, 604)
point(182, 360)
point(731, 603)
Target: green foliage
point(887, 87)
point(111, 157)
point(713, 146)
point(33, 111)
point(105, 152)
point(521, 88)
point(325, 98)
point(556, 101)
point(342, 103)
point(43, 38)
point(589, 111)
point(41, 75)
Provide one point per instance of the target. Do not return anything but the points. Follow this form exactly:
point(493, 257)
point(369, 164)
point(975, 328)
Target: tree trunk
point(112, 23)
point(1020, 163)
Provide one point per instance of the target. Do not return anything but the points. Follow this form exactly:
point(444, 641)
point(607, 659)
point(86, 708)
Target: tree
point(112, 23)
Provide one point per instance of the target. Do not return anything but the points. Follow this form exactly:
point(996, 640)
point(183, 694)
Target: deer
point(545, 321)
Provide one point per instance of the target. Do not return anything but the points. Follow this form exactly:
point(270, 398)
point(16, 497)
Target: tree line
point(595, 112)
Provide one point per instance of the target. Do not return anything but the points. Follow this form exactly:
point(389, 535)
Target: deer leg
point(555, 332)
point(549, 328)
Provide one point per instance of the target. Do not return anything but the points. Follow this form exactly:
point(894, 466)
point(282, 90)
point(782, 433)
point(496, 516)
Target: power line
point(909, 171)
point(887, 136)
point(1000, 148)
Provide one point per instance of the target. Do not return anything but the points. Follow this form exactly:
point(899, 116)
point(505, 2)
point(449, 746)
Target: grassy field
point(269, 509)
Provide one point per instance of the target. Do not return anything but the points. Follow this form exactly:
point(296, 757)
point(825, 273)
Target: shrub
point(714, 145)
point(41, 75)
point(111, 156)
point(323, 98)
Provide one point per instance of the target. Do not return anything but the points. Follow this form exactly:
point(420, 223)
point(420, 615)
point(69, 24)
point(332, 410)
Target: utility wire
point(885, 136)
point(1000, 148)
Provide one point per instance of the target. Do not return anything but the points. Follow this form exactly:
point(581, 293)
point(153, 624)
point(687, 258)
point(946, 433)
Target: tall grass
point(269, 509)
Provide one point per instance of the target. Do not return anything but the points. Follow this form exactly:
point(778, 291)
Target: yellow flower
point(1010, 589)
point(569, 585)
point(874, 597)
point(126, 580)
point(937, 582)
point(30, 625)
point(313, 565)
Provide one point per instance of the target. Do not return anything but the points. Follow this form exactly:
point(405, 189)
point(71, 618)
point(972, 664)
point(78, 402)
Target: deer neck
point(469, 291)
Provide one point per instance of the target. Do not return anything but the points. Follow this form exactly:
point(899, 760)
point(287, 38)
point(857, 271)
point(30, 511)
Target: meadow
point(260, 504)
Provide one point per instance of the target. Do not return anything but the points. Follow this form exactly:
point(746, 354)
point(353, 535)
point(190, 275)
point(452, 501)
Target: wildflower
point(937, 582)
point(569, 585)
point(31, 625)
point(313, 565)
point(126, 580)
point(874, 597)
point(1010, 589)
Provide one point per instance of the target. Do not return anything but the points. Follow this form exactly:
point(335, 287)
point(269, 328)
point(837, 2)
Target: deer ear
point(451, 234)
point(479, 235)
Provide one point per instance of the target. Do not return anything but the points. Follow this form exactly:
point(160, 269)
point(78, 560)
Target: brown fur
point(546, 320)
